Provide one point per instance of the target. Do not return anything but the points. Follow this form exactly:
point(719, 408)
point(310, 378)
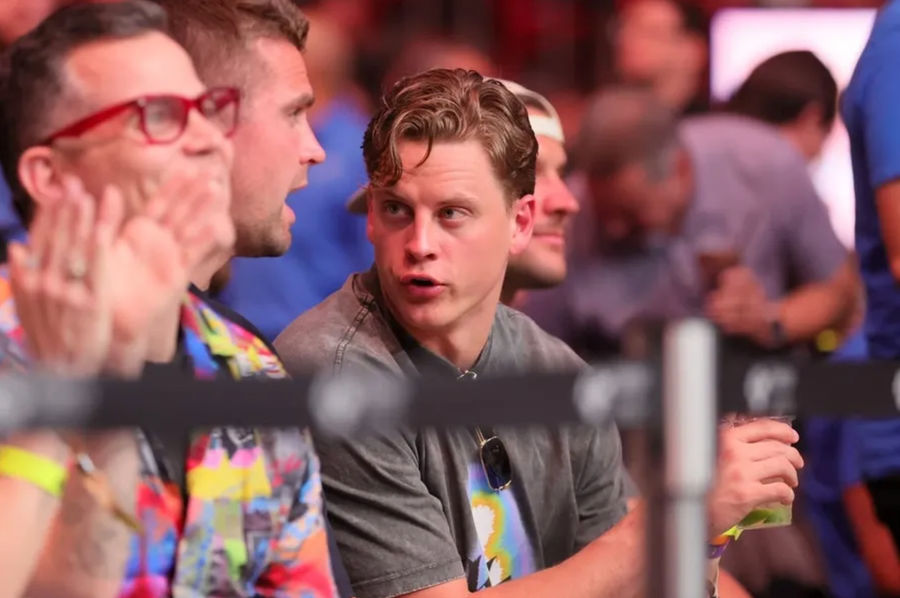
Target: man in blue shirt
point(871, 111)
point(328, 243)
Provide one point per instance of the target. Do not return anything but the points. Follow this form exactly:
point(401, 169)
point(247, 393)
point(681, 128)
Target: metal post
point(688, 443)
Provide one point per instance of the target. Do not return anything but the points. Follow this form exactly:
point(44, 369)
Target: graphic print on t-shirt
point(504, 551)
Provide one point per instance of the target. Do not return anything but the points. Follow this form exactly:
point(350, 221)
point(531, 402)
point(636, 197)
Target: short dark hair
point(32, 81)
point(215, 31)
point(626, 125)
point(780, 87)
point(453, 105)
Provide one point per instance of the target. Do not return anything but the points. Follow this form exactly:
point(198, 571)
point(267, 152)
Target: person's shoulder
point(344, 329)
point(726, 127)
point(539, 349)
point(763, 149)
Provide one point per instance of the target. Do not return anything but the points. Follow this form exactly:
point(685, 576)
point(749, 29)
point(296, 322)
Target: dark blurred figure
point(656, 44)
point(431, 51)
point(795, 92)
point(684, 220)
point(328, 244)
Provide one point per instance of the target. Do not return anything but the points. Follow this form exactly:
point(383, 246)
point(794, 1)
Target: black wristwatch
point(777, 334)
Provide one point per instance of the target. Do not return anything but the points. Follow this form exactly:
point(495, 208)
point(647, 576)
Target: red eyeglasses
point(163, 118)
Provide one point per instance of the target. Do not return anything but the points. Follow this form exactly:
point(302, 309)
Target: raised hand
point(60, 282)
point(757, 466)
point(184, 225)
point(739, 306)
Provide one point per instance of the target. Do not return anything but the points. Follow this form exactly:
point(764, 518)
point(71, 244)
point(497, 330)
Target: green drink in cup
point(774, 515)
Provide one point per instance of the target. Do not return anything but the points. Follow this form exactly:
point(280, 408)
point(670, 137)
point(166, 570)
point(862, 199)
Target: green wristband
point(46, 474)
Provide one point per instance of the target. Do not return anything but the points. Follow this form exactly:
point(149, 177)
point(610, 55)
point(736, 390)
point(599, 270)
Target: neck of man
point(461, 343)
point(512, 294)
point(203, 274)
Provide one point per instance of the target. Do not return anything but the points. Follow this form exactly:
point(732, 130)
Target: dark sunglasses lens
point(496, 463)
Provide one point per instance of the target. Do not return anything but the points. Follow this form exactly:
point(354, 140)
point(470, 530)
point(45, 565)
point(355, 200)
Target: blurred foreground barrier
point(677, 399)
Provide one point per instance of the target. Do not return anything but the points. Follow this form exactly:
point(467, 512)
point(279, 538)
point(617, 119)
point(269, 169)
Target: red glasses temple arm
point(85, 124)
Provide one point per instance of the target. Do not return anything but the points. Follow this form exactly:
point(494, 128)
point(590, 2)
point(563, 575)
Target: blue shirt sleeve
point(880, 116)
point(11, 228)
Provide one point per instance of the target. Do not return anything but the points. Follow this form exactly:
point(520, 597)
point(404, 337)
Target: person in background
point(542, 264)
point(679, 220)
point(794, 92)
point(870, 467)
point(451, 159)
point(327, 244)
point(653, 46)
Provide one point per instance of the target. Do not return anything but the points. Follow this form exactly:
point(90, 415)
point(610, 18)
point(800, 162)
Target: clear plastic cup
point(765, 516)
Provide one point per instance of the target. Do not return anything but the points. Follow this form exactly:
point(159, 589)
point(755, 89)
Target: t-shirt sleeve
point(814, 252)
point(600, 482)
point(881, 118)
point(391, 531)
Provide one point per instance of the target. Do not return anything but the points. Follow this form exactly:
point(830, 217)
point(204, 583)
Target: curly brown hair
point(442, 105)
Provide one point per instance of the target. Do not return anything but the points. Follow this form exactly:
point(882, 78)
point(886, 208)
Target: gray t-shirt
point(413, 509)
point(752, 194)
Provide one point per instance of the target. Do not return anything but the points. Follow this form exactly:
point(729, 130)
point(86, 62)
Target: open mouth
point(422, 282)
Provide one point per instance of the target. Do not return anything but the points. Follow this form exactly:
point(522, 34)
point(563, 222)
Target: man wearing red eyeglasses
point(120, 162)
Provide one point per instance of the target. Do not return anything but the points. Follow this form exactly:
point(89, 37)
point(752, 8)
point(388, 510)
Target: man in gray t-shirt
point(439, 514)
point(716, 215)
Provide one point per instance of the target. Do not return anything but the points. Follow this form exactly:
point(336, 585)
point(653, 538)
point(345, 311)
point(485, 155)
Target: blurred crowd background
point(691, 57)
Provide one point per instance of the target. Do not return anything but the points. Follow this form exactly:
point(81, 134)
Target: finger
point(58, 248)
point(41, 232)
point(775, 492)
point(22, 279)
point(110, 214)
point(82, 225)
point(775, 469)
point(737, 278)
point(764, 449)
point(765, 429)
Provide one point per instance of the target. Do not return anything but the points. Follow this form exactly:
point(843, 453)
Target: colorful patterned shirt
point(250, 519)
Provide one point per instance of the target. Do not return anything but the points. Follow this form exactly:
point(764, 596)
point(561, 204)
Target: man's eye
point(393, 208)
point(451, 213)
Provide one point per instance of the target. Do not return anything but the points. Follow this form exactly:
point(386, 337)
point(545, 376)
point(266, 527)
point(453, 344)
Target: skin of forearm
point(87, 547)
point(876, 544)
point(815, 307)
point(26, 514)
point(612, 566)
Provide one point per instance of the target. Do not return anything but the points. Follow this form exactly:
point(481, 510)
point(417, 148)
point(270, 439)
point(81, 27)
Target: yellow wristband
point(46, 474)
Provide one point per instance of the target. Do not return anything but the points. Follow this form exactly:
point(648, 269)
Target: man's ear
point(522, 224)
point(39, 174)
